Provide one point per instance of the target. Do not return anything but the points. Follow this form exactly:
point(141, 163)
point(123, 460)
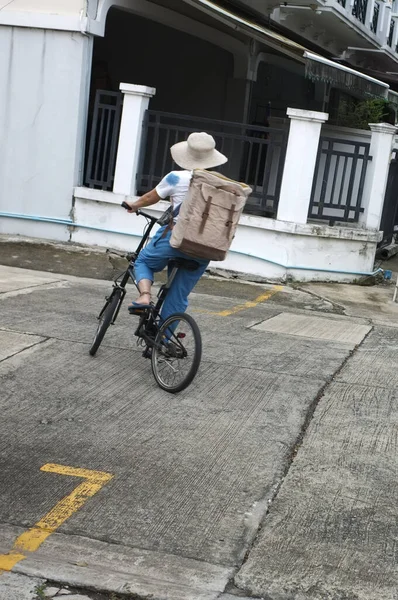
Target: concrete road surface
point(273, 475)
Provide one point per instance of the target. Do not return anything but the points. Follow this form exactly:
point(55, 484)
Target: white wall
point(63, 15)
point(45, 6)
point(262, 248)
point(44, 81)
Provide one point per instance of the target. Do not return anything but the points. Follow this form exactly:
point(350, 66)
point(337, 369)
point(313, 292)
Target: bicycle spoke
point(168, 363)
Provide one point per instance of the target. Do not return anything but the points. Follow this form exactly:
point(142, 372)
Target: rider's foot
point(143, 298)
point(142, 301)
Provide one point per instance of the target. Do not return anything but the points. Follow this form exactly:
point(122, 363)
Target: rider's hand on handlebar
point(129, 206)
point(147, 199)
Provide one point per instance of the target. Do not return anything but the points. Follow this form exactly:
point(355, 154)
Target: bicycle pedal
point(139, 311)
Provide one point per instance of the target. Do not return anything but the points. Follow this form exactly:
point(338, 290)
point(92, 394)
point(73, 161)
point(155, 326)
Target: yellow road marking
point(239, 307)
point(30, 540)
point(8, 561)
point(252, 303)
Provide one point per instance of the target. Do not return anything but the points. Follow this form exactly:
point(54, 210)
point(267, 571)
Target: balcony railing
point(375, 18)
point(359, 10)
point(374, 15)
point(391, 32)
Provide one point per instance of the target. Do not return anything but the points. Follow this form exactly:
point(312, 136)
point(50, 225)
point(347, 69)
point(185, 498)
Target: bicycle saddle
point(184, 263)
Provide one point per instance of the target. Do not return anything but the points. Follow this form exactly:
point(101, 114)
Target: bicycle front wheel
point(105, 319)
point(176, 352)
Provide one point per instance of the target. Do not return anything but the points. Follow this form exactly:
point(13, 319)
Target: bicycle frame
point(151, 314)
point(129, 273)
point(162, 338)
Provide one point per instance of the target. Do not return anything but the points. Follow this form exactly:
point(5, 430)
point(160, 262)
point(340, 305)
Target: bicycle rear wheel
point(105, 319)
point(176, 352)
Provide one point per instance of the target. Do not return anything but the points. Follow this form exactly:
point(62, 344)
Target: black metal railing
point(375, 18)
point(359, 10)
point(103, 140)
point(255, 154)
point(391, 32)
point(339, 180)
point(342, 2)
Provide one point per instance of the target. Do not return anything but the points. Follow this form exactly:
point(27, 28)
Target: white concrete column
point(369, 13)
point(395, 35)
point(135, 103)
point(377, 174)
point(384, 22)
point(298, 173)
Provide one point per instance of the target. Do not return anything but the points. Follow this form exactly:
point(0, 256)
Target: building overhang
point(330, 24)
point(381, 61)
point(253, 30)
point(317, 67)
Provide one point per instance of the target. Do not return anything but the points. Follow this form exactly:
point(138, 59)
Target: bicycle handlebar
point(140, 212)
point(146, 215)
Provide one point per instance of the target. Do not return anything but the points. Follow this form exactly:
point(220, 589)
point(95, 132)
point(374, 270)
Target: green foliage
point(40, 591)
point(359, 113)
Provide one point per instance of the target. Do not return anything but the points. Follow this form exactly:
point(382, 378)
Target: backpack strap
point(205, 214)
point(229, 223)
point(174, 214)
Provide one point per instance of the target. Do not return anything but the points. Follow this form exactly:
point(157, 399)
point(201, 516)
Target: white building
point(70, 154)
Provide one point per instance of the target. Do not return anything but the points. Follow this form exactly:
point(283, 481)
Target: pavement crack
point(317, 399)
point(31, 287)
point(24, 349)
point(337, 308)
point(23, 332)
point(267, 503)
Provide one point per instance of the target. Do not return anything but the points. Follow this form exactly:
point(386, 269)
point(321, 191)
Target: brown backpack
point(209, 215)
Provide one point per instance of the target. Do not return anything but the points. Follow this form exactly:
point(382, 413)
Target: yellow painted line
point(30, 540)
point(8, 561)
point(239, 307)
point(250, 303)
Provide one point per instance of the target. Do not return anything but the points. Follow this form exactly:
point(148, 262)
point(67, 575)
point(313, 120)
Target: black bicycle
point(174, 344)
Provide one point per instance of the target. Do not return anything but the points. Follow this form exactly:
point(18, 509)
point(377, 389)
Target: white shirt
point(175, 185)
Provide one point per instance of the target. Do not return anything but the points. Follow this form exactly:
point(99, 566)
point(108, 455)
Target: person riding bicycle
point(197, 152)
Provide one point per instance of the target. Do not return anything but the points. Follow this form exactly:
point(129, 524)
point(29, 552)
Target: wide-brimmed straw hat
point(198, 152)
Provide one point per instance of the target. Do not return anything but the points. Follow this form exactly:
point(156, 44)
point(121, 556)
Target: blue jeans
point(154, 258)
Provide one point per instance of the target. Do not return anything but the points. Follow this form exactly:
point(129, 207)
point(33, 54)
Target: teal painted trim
point(70, 223)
